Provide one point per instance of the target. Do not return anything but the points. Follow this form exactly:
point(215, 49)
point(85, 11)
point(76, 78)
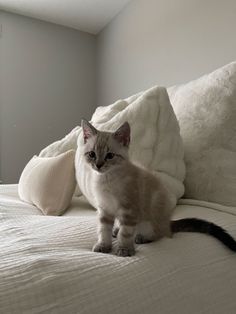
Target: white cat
point(129, 194)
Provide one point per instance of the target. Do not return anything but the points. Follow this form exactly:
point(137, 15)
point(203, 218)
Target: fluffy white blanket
point(206, 110)
point(155, 137)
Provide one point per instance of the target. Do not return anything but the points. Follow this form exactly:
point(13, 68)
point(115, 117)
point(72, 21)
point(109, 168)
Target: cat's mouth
point(99, 170)
point(99, 167)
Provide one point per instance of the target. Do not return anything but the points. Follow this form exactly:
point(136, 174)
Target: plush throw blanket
point(155, 136)
point(206, 110)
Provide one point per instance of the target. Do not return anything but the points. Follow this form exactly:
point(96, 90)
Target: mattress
point(47, 266)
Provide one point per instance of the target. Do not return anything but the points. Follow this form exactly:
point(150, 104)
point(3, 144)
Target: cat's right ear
point(122, 135)
point(88, 130)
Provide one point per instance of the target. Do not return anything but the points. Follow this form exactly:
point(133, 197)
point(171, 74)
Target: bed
point(46, 262)
point(47, 265)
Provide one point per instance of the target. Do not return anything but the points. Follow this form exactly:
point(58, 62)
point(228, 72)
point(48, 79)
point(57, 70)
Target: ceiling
point(86, 15)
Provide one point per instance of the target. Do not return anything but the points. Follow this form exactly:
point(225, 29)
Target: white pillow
point(62, 146)
point(206, 110)
point(49, 183)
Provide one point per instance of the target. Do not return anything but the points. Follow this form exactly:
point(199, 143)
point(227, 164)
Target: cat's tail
point(203, 226)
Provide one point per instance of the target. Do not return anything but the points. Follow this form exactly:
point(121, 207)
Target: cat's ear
point(88, 130)
point(122, 135)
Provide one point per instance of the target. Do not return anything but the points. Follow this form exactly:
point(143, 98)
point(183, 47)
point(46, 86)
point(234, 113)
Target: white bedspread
point(46, 266)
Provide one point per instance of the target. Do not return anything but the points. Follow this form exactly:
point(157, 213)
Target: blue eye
point(110, 155)
point(92, 155)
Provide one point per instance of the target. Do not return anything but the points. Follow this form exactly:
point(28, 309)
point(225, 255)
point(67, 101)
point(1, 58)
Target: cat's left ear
point(122, 135)
point(88, 130)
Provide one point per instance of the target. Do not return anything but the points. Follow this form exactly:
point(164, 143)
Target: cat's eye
point(110, 155)
point(92, 155)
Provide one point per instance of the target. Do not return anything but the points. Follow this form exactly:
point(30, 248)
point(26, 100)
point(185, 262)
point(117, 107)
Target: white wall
point(47, 81)
point(47, 72)
point(163, 42)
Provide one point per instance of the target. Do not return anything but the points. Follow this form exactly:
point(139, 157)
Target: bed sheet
point(46, 265)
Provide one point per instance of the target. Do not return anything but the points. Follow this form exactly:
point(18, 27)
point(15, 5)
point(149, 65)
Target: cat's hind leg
point(145, 233)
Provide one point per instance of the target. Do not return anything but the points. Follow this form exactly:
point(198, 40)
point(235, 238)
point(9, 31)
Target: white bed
point(46, 262)
point(47, 266)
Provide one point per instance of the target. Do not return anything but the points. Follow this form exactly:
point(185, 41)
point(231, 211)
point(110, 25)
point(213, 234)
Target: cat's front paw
point(124, 251)
point(101, 248)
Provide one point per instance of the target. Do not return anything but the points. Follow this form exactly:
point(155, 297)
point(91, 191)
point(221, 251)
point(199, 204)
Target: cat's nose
point(99, 165)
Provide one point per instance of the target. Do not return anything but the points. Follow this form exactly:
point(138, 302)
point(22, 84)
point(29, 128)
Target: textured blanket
point(46, 266)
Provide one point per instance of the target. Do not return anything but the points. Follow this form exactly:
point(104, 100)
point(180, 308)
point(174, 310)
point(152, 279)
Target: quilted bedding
point(46, 265)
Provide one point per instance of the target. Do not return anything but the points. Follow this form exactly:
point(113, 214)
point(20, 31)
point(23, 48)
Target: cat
point(132, 204)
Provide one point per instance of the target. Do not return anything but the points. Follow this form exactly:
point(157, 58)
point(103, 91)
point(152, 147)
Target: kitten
point(132, 196)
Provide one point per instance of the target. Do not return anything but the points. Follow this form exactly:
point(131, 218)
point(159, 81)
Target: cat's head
point(105, 150)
